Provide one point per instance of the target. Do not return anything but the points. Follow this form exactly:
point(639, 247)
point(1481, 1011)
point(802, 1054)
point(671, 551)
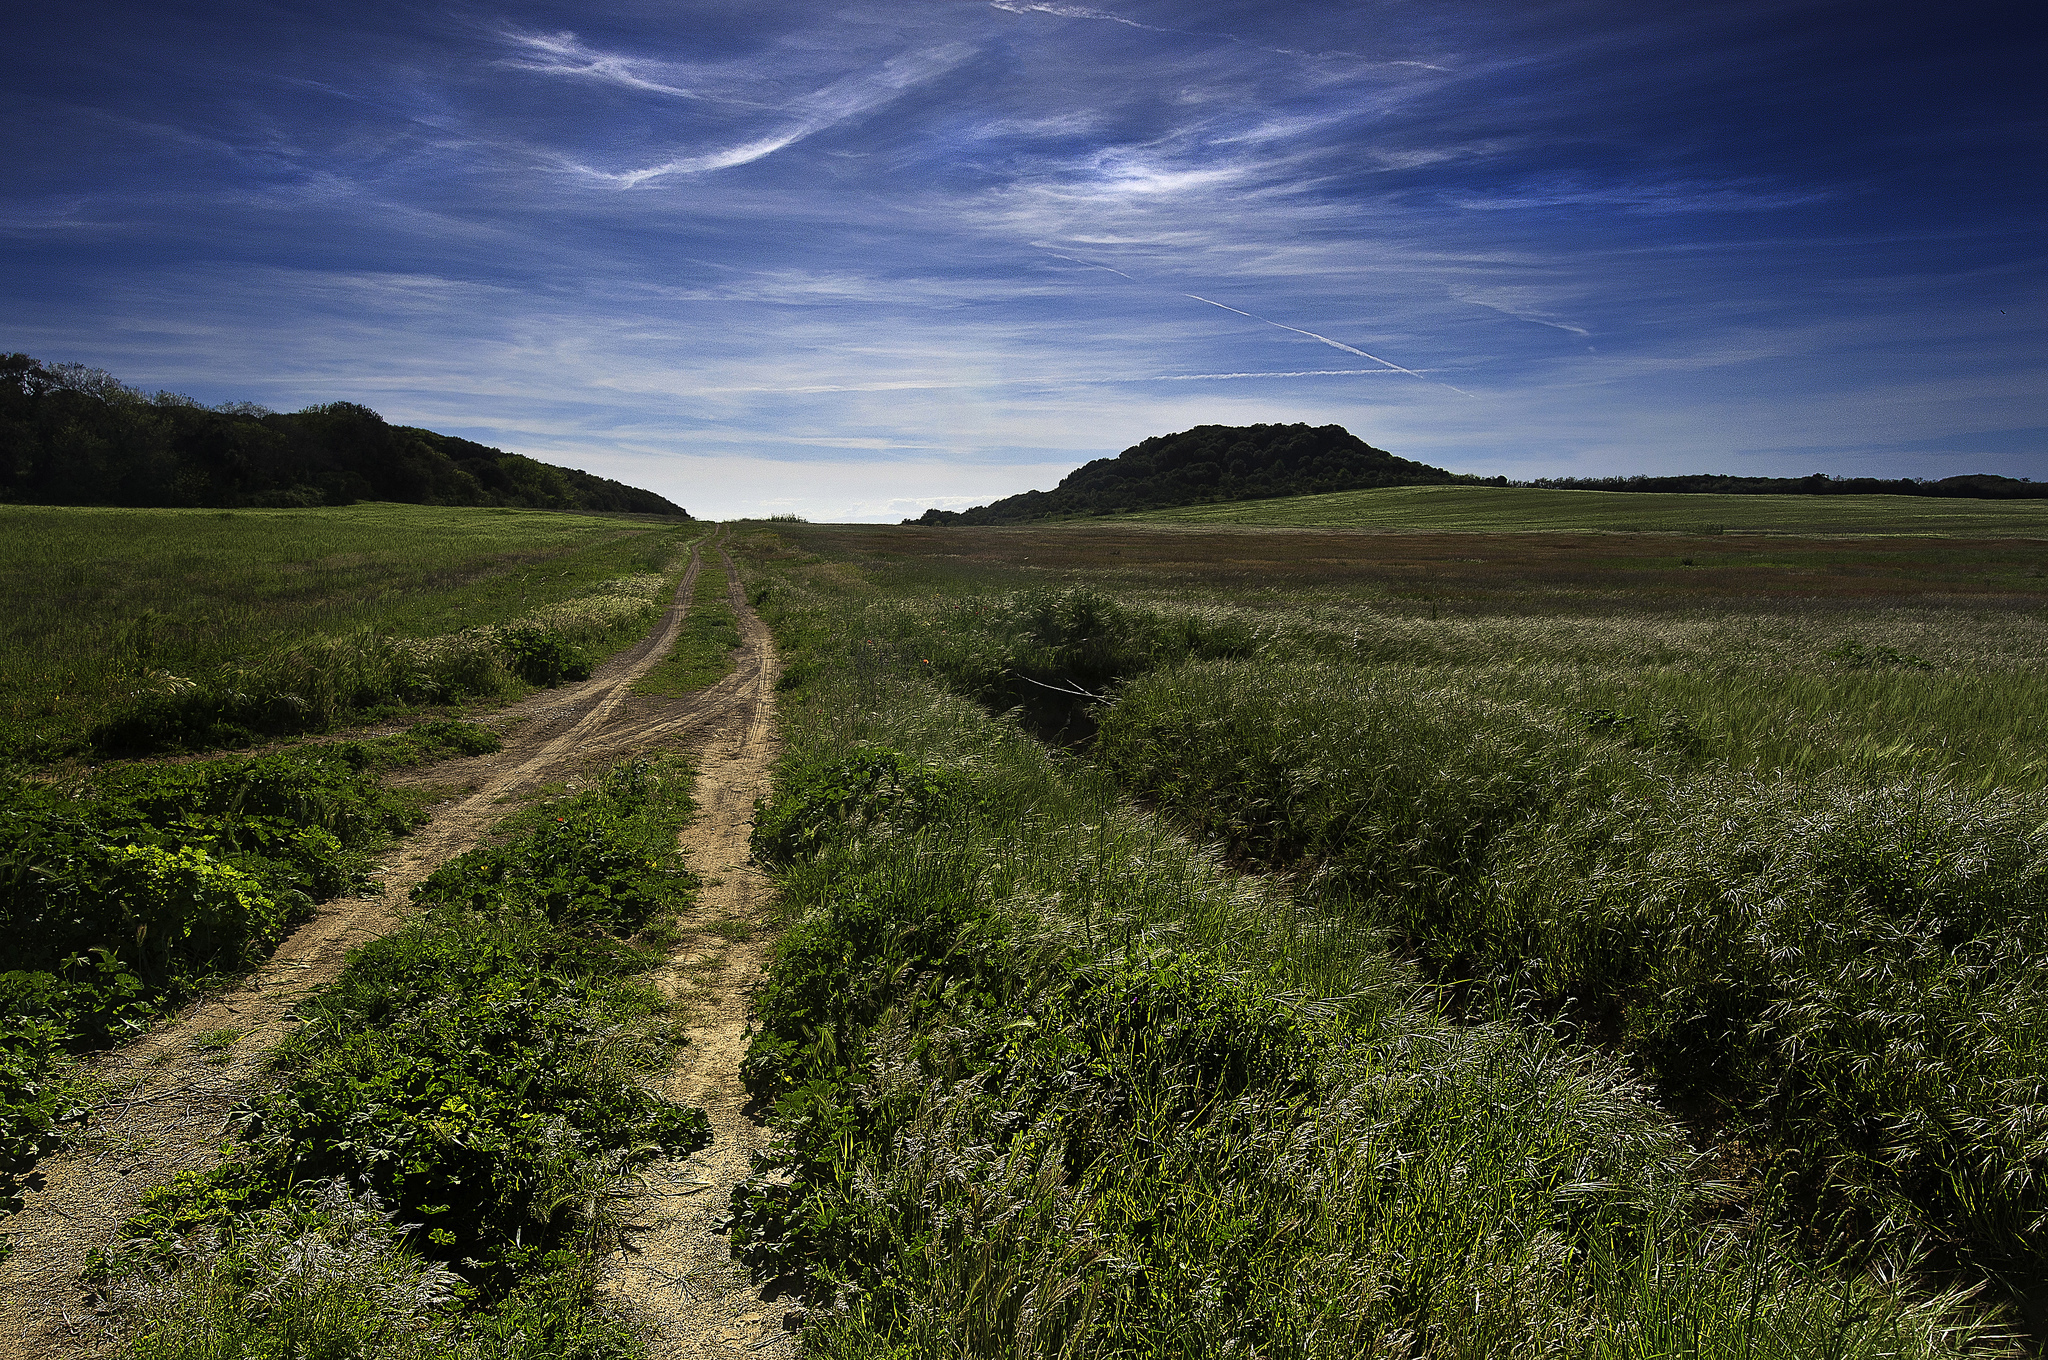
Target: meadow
point(130, 887)
point(1486, 509)
point(1212, 942)
point(107, 606)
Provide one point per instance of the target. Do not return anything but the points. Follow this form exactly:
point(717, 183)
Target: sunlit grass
point(1522, 509)
point(94, 599)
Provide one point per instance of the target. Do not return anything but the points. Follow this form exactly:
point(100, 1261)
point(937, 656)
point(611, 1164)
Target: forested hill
point(71, 435)
point(1206, 464)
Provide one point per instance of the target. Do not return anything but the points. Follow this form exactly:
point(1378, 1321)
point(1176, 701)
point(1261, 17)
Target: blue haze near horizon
point(851, 261)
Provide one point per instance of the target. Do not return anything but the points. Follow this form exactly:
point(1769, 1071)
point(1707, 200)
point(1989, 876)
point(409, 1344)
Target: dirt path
point(675, 1272)
point(171, 1096)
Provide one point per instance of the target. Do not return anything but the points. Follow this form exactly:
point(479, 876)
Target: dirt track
point(170, 1101)
point(675, 1272)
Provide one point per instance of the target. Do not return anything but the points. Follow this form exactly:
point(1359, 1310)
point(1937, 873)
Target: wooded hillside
point(1206, 464)
point(71, 435)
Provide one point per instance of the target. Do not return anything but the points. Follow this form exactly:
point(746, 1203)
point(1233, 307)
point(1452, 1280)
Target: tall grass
point(1054, 1080)
point(317, 682)
point(1852, 972)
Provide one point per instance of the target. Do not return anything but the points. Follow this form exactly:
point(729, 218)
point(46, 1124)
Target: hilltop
point(72, 435)
point(1206, 465)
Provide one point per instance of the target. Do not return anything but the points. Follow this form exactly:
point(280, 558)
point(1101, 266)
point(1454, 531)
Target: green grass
point(710, 634)
point(1487, 509)
point(131, 890)
point(1051, 1078)
point(93, 600)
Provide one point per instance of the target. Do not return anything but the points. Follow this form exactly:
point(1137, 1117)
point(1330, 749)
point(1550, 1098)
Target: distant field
point(90, 598)
point(1493, 509)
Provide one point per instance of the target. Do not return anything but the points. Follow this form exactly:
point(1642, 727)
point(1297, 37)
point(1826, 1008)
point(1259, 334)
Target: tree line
point(1980, 485)
point(73, 435)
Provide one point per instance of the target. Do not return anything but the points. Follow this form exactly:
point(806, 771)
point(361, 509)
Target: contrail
point(1333, 344)
point(1295, 373)
point(1087, 264)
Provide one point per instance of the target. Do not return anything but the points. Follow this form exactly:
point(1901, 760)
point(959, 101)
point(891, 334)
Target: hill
point(71, 435)
point(1509, 509)
point(1206, 465)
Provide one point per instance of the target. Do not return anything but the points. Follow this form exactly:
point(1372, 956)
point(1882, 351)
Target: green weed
point(458, 1122)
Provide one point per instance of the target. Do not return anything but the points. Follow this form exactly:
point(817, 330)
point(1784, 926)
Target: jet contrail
point(1333, 344)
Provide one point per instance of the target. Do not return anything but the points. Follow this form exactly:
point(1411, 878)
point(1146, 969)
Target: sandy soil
point(171, 1098)
point(674, 1271)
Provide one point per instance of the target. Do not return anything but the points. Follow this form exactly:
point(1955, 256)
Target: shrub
point(543, 657)
point(876, 792)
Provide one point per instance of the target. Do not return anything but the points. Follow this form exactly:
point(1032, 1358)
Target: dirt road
point(675, 1272)
point(173, 1095)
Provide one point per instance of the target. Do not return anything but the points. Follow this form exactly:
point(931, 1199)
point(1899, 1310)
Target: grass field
point(95, 600)
point(1487, 509)
point(1761, 832)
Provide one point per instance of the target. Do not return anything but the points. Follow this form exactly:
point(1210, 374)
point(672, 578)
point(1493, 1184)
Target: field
point(1486, 509)
point(1192, 941)
point(98, 600)
point(1323, 942)
point(448, 979)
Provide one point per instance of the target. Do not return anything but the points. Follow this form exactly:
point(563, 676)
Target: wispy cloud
point(564, 54)
point(1666, 197)
point(850, 280)
point(1065, 11)
point(836, 103)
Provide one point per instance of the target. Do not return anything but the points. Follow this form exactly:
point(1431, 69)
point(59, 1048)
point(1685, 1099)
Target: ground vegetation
point(1703, 514)
point(1056, 1076)
point(128, 891)
point(455, 1128)
point(137, 630)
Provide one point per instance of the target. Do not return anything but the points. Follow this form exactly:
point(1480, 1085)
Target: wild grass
point(1054, 1080)
point(318, 682)
point(97, 601)
point(1489, 509)
point(703, 652)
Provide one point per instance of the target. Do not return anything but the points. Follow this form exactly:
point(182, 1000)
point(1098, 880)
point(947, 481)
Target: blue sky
point(852, 260)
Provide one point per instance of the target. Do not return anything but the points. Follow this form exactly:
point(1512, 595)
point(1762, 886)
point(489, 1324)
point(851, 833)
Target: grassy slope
point(90, 597)
point(1488, 509)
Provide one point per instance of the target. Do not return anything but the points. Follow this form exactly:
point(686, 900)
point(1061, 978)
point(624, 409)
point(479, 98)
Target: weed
point(459, 1120)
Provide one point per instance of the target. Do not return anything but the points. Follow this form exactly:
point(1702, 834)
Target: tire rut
point(674, 1271)
point(170, 1103)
